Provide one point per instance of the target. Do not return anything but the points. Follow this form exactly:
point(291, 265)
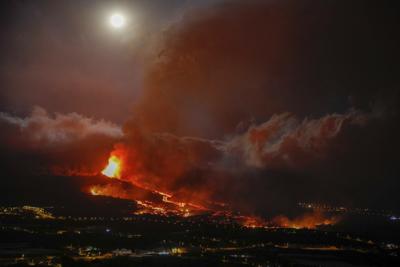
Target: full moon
point(117, 21)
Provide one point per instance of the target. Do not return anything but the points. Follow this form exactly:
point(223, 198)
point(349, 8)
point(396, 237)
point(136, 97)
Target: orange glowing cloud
point(308, 220)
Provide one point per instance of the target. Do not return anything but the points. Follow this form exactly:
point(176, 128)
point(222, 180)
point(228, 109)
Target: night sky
point(258, 104)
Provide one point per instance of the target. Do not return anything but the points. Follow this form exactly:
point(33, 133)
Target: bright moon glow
point(117, 21)
point(113, 169)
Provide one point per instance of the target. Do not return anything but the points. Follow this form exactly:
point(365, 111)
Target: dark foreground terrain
point(31, 236)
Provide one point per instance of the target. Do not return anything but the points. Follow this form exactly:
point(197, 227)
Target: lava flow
point(153, 201)
point(113, 169)
point(150, 200)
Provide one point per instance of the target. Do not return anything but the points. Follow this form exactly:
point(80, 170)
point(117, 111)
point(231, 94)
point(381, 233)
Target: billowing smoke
point(285, 141)
point(42, 128)
point(247, 61)
point(265, 169)
point(279, 114)
point(61, 143)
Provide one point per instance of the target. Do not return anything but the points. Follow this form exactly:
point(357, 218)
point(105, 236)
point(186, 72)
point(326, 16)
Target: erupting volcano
point(113, 168)
point(150, 200)
point(199, 133)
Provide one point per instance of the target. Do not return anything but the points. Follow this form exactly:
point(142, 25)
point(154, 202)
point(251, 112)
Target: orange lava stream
point(169, 205)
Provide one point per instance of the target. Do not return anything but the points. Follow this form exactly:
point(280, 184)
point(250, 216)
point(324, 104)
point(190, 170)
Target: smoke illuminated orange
point(113, 169)
point(308, 220)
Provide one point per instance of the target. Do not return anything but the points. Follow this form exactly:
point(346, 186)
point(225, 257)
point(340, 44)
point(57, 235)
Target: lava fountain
point(113, 168)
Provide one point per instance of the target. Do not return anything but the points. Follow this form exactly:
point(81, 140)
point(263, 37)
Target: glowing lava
point(94, 191)
point(113, 169)
point(307, 221)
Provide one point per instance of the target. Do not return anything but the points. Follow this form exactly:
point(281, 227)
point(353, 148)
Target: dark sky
point(249, 102)
point(64, 57)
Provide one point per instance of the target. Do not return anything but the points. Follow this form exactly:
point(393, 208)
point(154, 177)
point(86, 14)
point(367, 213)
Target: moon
point(117, 21)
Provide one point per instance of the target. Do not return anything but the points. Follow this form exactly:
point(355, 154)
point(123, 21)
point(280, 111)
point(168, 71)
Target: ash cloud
point(266, 169)
point(60, 128)
point(293, 70)
point(248, 61)
point(285, 141)
point(59, 144)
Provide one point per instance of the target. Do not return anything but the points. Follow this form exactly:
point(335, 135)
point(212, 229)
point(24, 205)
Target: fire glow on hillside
point(165, 204)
